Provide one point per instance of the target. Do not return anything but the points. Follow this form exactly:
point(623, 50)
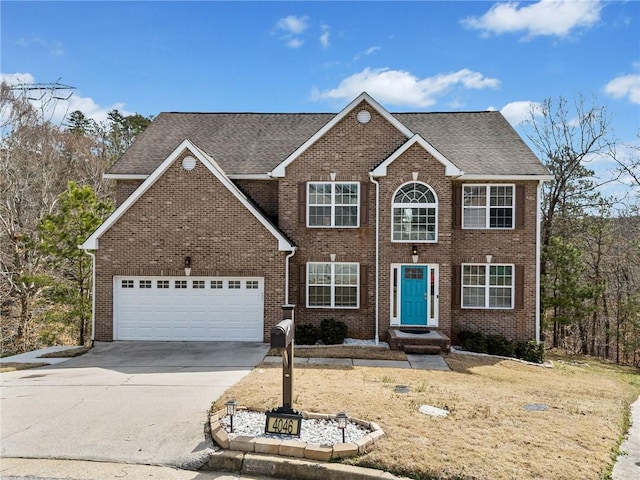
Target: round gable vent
point(188, 163)
point(364, 116)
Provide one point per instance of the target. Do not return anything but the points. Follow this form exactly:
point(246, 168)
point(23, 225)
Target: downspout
point(93, 295)
point(538, 223)
point(377, 314)
point(286, 275)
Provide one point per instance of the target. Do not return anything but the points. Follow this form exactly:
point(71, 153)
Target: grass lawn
point(488, 434)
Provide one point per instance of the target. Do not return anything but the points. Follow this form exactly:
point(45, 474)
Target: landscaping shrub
point(306, 334)
point(472, 341)
point(332, 332)
point(530, 351)
point(499, 345)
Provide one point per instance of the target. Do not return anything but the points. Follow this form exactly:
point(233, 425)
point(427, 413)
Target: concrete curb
point(291, 468)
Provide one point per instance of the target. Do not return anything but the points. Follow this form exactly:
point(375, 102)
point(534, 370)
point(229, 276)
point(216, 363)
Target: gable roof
point(92, 242)
point(279, 170)
point(253, 144)
point(450, 169)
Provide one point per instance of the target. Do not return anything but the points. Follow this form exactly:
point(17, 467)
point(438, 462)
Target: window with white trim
point(333, 204)
point(488, 206)
point(180, 284)
point(488, 286)
point(415, 213)
point(333, 285)
point(198, 284)
point(145, 283)
point(127, 284)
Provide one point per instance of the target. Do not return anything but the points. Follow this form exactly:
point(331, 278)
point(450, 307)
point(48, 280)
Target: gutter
point(286, 275)
point(538, 256)
point(93, 295)
point(377, 314)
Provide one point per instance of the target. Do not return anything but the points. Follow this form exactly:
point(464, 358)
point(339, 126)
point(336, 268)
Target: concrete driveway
point(129, 402)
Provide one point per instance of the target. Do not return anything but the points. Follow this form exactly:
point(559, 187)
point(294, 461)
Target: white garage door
point(189, 308)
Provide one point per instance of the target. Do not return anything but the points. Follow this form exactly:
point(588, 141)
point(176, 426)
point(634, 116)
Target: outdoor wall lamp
point(187, 266)
point(232, 407)
point(341, 419)
point(414, 253)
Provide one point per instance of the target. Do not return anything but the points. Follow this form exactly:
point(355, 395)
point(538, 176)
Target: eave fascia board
point(249, 176)
point(124, 176)
point(451, 170)
point(279, 170)
point(506, 178)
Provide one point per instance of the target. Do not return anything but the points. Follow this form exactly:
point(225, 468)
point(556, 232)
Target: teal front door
point(413, 295)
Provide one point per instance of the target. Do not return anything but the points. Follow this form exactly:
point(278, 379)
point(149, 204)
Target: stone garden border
point(295, 448)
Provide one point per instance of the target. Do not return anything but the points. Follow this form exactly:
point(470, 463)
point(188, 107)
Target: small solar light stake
point(341, 418)
point(232, 406)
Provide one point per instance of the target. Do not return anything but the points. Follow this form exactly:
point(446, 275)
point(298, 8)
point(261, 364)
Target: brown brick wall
point(351, 150)
point(188, 214)
point(431, 172)
point(516, 246)
point(124, 189)
point(264, 193)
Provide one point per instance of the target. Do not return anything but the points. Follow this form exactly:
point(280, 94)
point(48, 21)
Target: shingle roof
point(254, 143)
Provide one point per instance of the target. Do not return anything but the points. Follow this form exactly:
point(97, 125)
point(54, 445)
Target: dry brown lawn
point(488, 434)
point(13, 366)
point(69, 353)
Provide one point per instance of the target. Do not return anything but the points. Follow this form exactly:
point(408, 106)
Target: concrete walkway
point(627, 465)
point(417, 362)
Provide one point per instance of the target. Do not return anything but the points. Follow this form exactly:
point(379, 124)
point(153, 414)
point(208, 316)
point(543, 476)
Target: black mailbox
point(282, 334)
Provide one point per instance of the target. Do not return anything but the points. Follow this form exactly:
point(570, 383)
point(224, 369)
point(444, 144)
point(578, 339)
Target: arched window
point(415, 213)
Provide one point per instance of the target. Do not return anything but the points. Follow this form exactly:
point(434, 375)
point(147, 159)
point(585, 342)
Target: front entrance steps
point(421, 340)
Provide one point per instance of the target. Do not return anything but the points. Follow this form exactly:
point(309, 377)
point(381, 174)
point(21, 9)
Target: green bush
point(306, 335)
point(332, 332)
point(530, 351)
point(499, 345)
point(472, 341)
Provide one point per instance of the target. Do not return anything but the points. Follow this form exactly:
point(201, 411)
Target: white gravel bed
point(317, 432)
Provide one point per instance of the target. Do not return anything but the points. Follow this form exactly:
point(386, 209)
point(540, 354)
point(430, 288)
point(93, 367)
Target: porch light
point(414, 254)
point(187, 266)
point(341, 419)
point(232, 407)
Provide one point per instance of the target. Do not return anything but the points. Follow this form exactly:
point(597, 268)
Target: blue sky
point(148, 57)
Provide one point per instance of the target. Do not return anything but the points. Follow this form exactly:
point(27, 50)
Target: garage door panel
point(208, 309)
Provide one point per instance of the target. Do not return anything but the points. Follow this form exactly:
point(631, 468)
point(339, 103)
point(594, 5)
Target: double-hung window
point(488, 206)
point(488, 286)
point(332, 285)
point(333, 204)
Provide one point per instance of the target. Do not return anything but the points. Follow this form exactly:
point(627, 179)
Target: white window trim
point(488, 207)
point(487, 286)
point(333, 286)
point(395, 205)
point(333, 205)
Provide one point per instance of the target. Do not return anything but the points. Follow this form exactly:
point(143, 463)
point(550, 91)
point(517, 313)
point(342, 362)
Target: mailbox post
point(282, 339)
point(284, 420)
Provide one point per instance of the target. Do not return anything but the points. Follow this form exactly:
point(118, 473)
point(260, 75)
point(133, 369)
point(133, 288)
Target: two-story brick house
point(372, 218)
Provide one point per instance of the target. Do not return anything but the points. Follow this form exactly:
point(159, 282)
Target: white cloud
point(546, 17)
point(292, 24)
point(54, 48)
point(517, 112)
point(324, 38)
point(55, 110)
point(367, 52)
point(398, 87)
point(292, 27)
point(295, 43)
point(625, 86)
